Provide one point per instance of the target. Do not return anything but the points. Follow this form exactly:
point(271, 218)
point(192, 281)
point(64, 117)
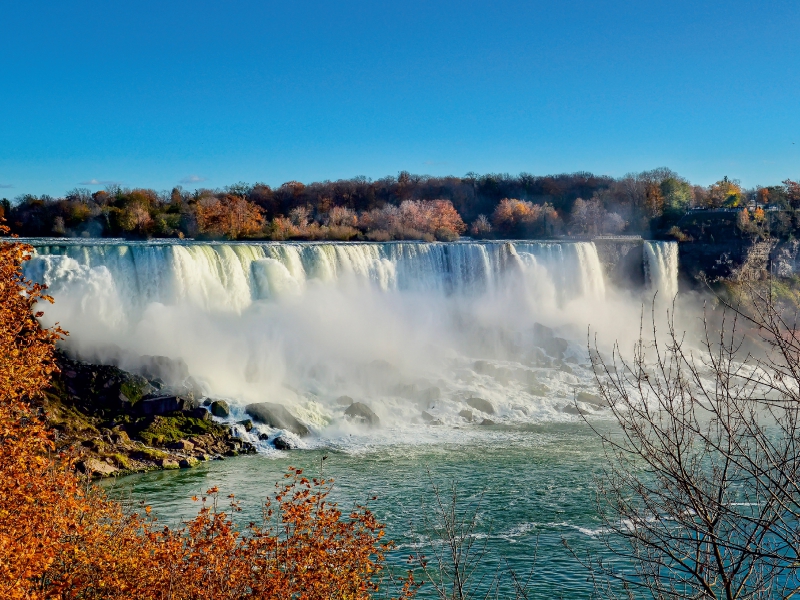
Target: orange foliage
point(62, 538)
point(232, 217)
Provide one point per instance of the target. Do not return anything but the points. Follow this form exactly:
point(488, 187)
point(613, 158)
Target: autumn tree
point(232, 217)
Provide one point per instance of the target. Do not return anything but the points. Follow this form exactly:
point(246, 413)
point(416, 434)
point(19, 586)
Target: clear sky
point(211, 93)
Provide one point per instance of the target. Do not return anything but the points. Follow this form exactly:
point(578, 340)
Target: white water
point(303, 323)
point(661, 267)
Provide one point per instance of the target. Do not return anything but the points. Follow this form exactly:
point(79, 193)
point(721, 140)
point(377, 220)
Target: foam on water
point(403, 327)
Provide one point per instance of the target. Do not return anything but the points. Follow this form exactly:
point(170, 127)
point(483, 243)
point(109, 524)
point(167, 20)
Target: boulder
point(97, 467)
point(488, 422)
point(247, 424)
point(168, 463)
point(590, 399)
point(198, 413)
point(276, 416)
point(344, 400)
point(566, 368)
point(263, 437)
point(466, 415)
point(571, 409)
point(361, 412)
point(480, 404)
point(284, 443)
point(188, 463)
point(182, 445)
point(220, 408)
point(160, 405)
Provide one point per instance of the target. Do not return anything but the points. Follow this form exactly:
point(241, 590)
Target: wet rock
point(247, 424)
point(188, 463)
point(566, 368)
point(466, 415)
point(571, 409)
point(263, 437)
point(488, 422)
point(591, 399)
point(344, 400)
point(276, 416)
point(284, 443)
point(220, 408)
point(480, 404)
point(363, 413)
point(168, 463)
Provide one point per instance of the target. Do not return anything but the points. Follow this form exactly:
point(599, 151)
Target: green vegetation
point(166, 429)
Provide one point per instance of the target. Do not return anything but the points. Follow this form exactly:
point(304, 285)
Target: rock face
point(622, 260)
point(480, 404)
point(276, 416)
point(363, 413)
point(220, 408)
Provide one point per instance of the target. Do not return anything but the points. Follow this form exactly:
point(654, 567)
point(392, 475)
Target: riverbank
point(117, 423)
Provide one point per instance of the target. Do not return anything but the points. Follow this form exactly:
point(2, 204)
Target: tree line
point(419, 207)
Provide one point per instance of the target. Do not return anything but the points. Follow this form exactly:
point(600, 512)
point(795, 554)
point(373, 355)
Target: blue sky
point(211, 93)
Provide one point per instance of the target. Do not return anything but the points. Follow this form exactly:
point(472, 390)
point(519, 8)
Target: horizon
point(203, 95)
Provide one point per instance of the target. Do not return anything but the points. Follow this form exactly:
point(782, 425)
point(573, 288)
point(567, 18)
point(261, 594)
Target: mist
point(402, 327)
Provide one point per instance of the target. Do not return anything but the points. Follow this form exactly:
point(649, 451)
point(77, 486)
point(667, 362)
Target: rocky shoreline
point(116, 423)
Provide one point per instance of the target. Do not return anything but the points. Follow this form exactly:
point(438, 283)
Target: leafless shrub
point(699, 496)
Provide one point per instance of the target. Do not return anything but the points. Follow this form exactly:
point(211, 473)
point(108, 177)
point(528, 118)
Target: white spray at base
point(416, 331)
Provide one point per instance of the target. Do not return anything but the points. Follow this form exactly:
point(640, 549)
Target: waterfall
point(661, 266)
point(303, 323)
point(230, 277)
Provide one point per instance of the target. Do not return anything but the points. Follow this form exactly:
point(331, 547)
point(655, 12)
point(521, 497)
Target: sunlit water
point(537, 485)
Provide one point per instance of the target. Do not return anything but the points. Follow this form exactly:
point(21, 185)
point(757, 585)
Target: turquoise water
point(537, 481)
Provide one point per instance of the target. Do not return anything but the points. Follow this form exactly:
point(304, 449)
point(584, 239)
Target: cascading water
point(404, 327)
point(661, 266)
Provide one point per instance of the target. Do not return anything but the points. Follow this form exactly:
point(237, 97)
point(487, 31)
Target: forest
point(412, 207)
